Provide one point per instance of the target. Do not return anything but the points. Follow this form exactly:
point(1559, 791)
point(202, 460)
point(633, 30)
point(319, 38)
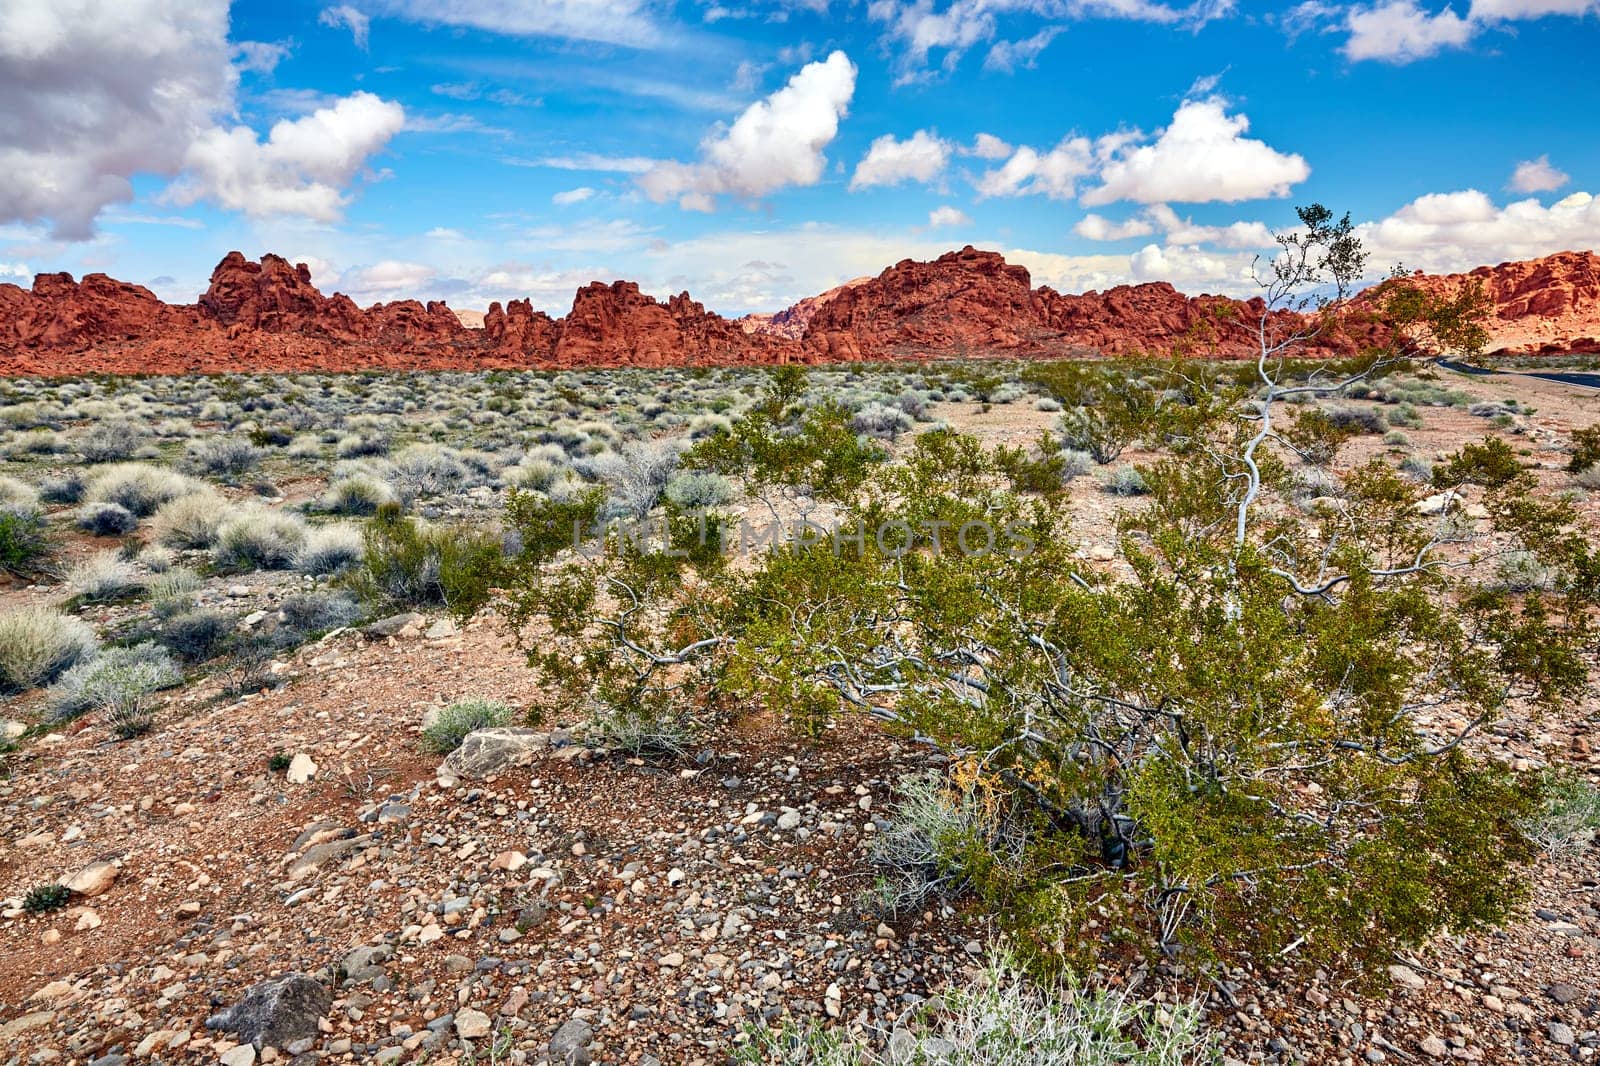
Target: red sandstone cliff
point(269, 316)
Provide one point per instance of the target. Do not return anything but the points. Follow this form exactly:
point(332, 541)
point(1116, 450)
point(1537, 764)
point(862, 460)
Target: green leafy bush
point(447, 731)
point(26, 542)
point(406, 563)
point(42, 899)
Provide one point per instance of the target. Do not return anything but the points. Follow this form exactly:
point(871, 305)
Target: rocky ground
point(537, 899)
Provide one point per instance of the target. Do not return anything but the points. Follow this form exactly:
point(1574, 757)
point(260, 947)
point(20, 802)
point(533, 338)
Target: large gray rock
point(276, 1012)
point(570, 1045)
point(490, 751)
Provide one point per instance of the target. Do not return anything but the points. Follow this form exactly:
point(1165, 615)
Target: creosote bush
point(447, 731)
point(1220, 752)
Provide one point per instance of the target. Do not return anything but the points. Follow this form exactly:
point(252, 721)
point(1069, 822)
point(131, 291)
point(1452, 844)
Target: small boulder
point(395, 625)
point(570, 1045)
point(92, 880)
point(302, 768)
point(472, 1024)
point(276, 1012)
point(489, 751)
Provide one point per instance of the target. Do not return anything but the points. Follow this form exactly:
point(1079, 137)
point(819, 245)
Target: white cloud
point(1505, 10)
point(351, 19)
point(1007, 56)
point(14, 270)
point(95, 91)
point(1537, 175)
point(776, 142)
point(919, 28)
point(444, 233)
point(572, 196)
point(988, 146)
point(1398, 31)
point(1030, 172)
point(388, 279)
point(948, 216)
point(300, 169)
point(1099, 228)
point(1445, 232)
point(610, 164)
point(1203, 156)
point(260, 57)
point(921, 157)
point(627, 22)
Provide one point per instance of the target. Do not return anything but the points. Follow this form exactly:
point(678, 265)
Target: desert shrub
point(1048, 405)
point(128, 712)
point(1588, 479)
point(1417, 467)
point(1396, 439)
point(1568, 818)
point(16, 495)
point(25, 540)
point(358, 445)
point(880, 422)
point(105, 576)
point(140, 669)
point(637, 475)
point(1000, 1018)
point(38, 644)
point(172, 591)
point(1585, 449)
point(426, 470)
point(196, 635)
point(65, 488)
point(1125, 481)
point(304, 446)
point(136, 486)
point(938, 836)
point(106, 520)
point(1311, 482)
point(41, 899)
point(1522, 571)
point(447, 731)
point(259, 538)
point(222, 457)
point(36, 442)
point(406, 563)
point(1357, 420)
point(1405, 416)
point(329, 550)
point(644, 728)
point(357, 494)
point(307, 613)
point(108, 442)
point(535, 474)
point(702, 426)
point(695, 490)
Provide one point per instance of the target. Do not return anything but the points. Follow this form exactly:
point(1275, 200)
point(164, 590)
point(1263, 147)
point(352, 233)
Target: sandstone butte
point(267, 316)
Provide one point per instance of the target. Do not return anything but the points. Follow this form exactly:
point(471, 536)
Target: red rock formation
point(269, 316)
point(1537, 305)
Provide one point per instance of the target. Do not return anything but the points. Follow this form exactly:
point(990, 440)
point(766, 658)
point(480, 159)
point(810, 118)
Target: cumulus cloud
point(260, 57)
point(1202, 156)
point(1537, 175)
point(97, 91)
point(948, 216)
point(1099, 228)
point(386, 279)
point(777, 142)
point(1030, 172)
point(300, 169)
point(920, 157)
point(343, 15)
point(627, 22)
point(572, 196)
point(1460, 230)
point(988, 146)
point(1399, 31)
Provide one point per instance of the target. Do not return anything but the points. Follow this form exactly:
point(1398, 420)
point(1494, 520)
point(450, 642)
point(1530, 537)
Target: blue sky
point(755, 153)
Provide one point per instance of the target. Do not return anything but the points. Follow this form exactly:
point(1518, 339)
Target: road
point(1566, 377)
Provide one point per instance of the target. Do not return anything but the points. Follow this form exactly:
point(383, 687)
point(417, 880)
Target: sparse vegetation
point(447, 731)
point(38, 644)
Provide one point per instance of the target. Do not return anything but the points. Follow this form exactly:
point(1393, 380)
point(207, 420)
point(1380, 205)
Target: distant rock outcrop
point(268, 316)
